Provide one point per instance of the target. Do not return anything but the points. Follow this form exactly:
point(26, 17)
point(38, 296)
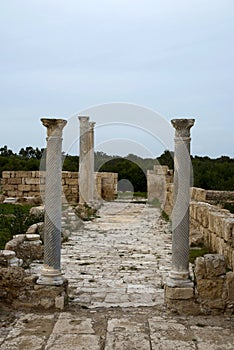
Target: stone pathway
point(115, 266)
point(120, 258)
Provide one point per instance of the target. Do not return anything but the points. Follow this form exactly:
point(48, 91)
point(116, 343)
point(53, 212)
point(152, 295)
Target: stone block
point(9, 187)
point(60, 302)
point(71, 181)
point(218, 224)
point(178, 293)
point(35, 188)
point(205, 217)
point(211, 289)
point(14, 181)
point(228, 229)
point(24, 188)
point(13, 193)
point(74, 190)
point(37, 211)
point(21, 174)
point(198, 194)
point(74, 175)
point(215, 265)
point(211, 218)
point(200, 268)
point(32, 181)
point(6, 174)
point(230, 286)
point(35, 173)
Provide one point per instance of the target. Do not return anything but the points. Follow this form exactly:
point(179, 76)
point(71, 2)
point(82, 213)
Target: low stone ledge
point(19, 289)
point(179, 293)
point(215, 286)
point(27, 247)
point(181, 301)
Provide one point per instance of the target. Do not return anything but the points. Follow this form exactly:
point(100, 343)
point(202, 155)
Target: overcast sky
point(176, 57)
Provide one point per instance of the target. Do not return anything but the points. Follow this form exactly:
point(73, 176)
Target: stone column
point(51, 271)
point(84, 161)
point(91, 154)
point(179, 275)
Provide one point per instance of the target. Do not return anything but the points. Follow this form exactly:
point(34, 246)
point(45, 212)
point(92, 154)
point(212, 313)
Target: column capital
point(182, 127)
point(54, 126)
point(83, 118)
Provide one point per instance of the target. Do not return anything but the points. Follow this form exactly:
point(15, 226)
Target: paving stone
point(70, 324)
point(24, 342)
point(213, 337)
point(73, 342)
point(169, 334)
point(126, 334)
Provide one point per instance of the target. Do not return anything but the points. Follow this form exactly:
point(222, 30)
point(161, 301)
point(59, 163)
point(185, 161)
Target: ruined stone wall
point(31, 183)
point(106, 184)
point(216, 227)
point(157, 181)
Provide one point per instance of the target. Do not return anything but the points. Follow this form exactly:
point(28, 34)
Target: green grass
point(14, 219)
point(165, 216)
point(196, 252)
point(140, 194)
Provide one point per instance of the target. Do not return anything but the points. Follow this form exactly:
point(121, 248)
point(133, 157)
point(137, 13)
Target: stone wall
point(214, 285)
point(29, 183)
point(216, 227)
point(106, 185)
point(199, 195)
point(157, 181)
point(212, 292)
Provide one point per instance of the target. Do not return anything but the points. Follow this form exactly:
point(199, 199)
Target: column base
point(50, 276)
point(179, 279)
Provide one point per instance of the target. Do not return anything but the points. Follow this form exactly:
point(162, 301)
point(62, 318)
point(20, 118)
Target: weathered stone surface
point(32, 229)
point(178, 293)
point(215, 265)
point(25, 249)
point(126, 334)
point(37, 211)
point(211, 289)
point(230, 286)
point(200, 268)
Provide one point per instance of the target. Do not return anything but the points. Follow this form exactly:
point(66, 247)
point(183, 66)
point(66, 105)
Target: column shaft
point(84, 161)
point(179, 274)
point(91, 154)
point(51, 273)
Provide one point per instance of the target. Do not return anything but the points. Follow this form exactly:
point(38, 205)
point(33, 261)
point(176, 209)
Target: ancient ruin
point(127, 257)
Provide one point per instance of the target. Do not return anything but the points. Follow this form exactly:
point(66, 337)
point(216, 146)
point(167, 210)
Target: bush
point(14, 219)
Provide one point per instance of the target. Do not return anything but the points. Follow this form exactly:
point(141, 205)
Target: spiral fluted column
point(179, 275)
point(51, 271)
point(84, 161)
